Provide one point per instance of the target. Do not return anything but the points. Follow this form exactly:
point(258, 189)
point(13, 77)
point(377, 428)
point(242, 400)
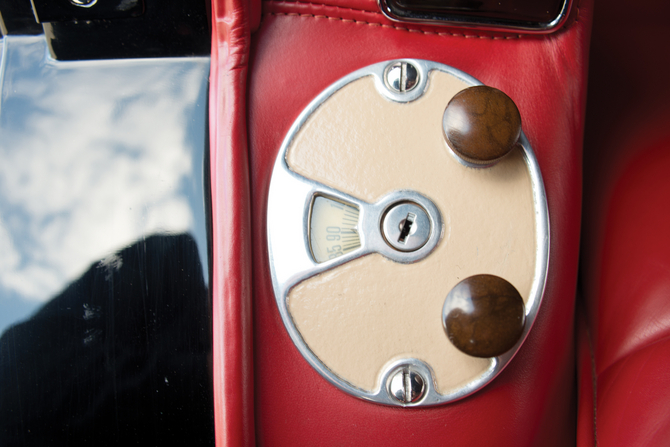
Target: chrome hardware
point(400, 12)
point(84, 3)
point(406, 385)
point(406, 226)
point(401, 77)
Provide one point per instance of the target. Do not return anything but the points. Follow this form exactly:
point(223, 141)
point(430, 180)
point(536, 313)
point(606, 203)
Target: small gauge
point(333, 229)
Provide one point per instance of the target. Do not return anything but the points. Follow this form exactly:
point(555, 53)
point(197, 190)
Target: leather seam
point(570, 23)
point(594, 384)
point(400, 28)
point(297, 2)
point(565, 27)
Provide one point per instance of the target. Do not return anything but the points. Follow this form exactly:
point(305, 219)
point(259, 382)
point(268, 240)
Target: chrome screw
point(83, 3)
point(406, 386)
point(401, 77)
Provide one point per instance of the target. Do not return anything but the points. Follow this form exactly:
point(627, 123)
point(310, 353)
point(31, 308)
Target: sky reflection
point(93, 157)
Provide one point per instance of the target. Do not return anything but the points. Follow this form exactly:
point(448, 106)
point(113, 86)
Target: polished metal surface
point(477, 23)
point(406, 226)
point(401, 77)
point(288, 222)
point(105, 314)
point(406, 385)
point(124, 29)
point(84, 3)
point(291, 262)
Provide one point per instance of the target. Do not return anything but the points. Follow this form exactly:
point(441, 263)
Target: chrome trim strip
point(478, 23)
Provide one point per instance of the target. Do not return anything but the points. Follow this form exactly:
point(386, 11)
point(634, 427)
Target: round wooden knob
point(483, 316)
point(481, 124)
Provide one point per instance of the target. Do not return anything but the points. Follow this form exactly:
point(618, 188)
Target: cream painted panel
point(364, 314)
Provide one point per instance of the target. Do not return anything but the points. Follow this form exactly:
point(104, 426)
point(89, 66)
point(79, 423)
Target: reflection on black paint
point(121, 357)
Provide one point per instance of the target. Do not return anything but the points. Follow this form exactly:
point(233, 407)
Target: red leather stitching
point(410, 30)
point(567, 26)
point(320, 4)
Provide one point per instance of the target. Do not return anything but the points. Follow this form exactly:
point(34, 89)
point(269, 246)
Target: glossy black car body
point(105, 313)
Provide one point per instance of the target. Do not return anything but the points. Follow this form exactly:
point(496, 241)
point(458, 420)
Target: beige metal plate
point(364, 314)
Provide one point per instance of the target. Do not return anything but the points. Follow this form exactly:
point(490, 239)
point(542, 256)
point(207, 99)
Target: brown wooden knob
point(481, 124)
point(484, 316)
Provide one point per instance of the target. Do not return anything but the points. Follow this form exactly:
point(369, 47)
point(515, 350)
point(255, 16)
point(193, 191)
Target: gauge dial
point(333, 229)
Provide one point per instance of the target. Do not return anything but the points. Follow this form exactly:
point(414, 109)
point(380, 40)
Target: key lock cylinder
point(408, 233)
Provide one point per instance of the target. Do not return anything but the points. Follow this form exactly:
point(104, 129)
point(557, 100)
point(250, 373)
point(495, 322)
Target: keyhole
point(406, 227)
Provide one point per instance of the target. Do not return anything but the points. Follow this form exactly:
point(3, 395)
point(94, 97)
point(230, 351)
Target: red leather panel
point(626, 246)
point(632, 345)
point(231, 275)
point(367, 11)
point(633, 396)
point(294, 57)
point(628, 112)
point(634, 283)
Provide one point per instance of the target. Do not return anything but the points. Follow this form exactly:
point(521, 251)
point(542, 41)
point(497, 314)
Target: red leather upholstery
point(301, 48)
point(634, 282)
point(231, 274)
point(626, 244)
point(630, 296)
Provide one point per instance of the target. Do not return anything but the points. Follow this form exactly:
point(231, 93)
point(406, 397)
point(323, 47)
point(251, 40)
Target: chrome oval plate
point(291, 259)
